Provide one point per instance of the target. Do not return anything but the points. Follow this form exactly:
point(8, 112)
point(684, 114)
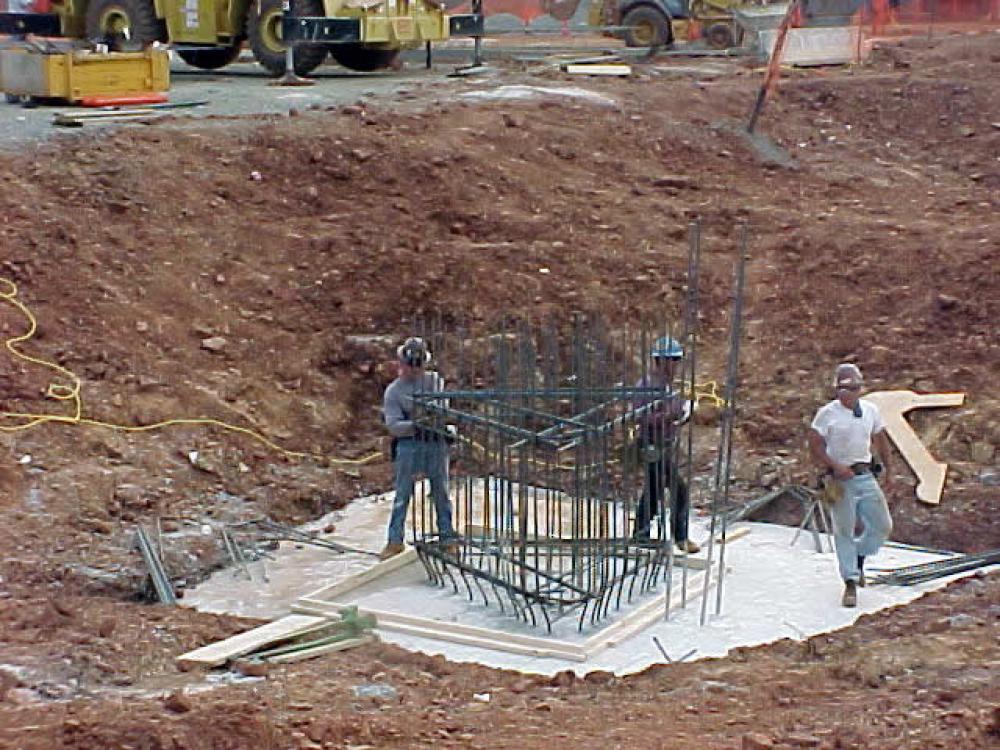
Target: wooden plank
point(217, 654)
point(598, 70)
point(643, 616)
point(382, 567)
point(309, 653)
point(733, 536)
point(465, 635)
point(893, 405)
point(533, 641)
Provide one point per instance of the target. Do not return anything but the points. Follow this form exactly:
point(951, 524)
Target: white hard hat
point(847, 374)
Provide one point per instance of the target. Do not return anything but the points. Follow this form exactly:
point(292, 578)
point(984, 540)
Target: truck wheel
point(210, 59)
point(647, 27)
point(362, 58)
point(123, 25)
point(719, 36)
point(264, 33)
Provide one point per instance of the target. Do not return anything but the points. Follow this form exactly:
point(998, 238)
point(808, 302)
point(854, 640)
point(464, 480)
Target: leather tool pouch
point(832, 490)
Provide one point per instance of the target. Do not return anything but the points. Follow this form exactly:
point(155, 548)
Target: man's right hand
point(842, 472)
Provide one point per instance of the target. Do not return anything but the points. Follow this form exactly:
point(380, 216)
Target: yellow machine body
point(78, 74)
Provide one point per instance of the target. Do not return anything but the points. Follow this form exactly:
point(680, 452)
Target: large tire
point(212, 58)
point(264, 33)
point(647, 27)
point(123, 25)
point(720, 36)
point(362, 58)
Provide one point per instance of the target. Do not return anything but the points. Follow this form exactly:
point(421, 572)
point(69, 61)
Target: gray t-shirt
point(397, 405)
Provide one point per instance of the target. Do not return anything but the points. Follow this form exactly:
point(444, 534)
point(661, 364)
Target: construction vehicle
point(655, 23)
point(361, 35)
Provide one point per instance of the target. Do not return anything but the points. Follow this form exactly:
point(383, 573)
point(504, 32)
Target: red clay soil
point(256, 272)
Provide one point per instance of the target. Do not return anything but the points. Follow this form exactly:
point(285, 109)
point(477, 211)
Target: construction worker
point(657, 433)
point(414, 451)
point(840, 439)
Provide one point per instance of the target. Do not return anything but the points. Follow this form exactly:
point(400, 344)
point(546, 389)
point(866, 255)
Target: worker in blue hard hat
point(657, 433)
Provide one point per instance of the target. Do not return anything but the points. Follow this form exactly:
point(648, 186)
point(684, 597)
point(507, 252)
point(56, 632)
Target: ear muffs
point(414, 353)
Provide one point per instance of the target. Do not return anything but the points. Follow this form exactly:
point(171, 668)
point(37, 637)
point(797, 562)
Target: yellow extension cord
point(61, 392)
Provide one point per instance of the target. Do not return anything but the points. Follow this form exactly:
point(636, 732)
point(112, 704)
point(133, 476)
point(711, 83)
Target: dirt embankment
point(248, 275)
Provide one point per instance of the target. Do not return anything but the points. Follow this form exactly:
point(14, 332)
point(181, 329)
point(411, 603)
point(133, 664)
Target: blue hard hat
point(666, 347)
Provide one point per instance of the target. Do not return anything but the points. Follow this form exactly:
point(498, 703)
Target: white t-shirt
point(848, 438)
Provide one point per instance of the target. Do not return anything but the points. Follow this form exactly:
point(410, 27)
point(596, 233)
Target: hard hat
point(414, 352)
point(847, 375)
point(666, 347)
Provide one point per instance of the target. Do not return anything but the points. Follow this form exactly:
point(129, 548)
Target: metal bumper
point(347, 30)
point(467, 24)
point(333, 30)
point(40, 24)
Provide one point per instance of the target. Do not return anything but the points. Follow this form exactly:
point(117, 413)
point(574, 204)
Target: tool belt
point(861, 468)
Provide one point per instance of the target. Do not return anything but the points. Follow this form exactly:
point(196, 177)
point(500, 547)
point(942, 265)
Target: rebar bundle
point(913, 574)
point(552, 460)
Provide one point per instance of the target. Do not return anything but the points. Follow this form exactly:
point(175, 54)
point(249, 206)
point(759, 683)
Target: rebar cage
point(553, 460)
point(550, 468)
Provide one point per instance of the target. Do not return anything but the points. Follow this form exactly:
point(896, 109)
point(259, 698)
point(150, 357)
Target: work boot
point(688, 546)
point(861, 571)
point(850, 598)
point(391, 550)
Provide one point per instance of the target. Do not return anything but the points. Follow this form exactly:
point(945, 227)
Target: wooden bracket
point(893, 405)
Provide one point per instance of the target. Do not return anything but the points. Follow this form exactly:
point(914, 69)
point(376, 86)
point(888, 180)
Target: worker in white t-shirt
point(841, 439)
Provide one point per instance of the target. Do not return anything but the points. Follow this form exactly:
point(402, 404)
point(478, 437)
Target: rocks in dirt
point(801, 740)
point(250, 668)
point(178, 702)
point(522, 686)
point(990, 478)
point(131, 496)
point(599, 677)
point(981, 452)
point(95, 525)
point(563, 679)
point(377, 691)
point(62, 608)
point(756, 741)
point(214, 344)
point(106, 628)
point(946, 301)
point(510, 120)
point(22, 696)
point(676, 181)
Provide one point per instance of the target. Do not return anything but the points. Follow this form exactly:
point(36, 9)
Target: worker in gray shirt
point(415, 450)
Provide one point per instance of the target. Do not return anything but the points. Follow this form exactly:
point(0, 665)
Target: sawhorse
point(815, 517)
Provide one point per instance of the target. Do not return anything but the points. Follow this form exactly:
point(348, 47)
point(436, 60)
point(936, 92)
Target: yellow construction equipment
point(34, 71)
point(359, 34)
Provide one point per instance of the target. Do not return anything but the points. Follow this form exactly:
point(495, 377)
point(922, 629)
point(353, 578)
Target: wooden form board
point(217, 654)
point(309, 653)
point(320, 604)
point(593, 69)
point(892, 405)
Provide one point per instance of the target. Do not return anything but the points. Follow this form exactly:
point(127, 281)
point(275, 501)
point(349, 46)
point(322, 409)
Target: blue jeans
point(863, 499)
point(429, 457)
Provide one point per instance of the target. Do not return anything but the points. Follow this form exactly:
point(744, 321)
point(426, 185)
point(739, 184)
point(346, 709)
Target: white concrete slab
point(771, 591)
